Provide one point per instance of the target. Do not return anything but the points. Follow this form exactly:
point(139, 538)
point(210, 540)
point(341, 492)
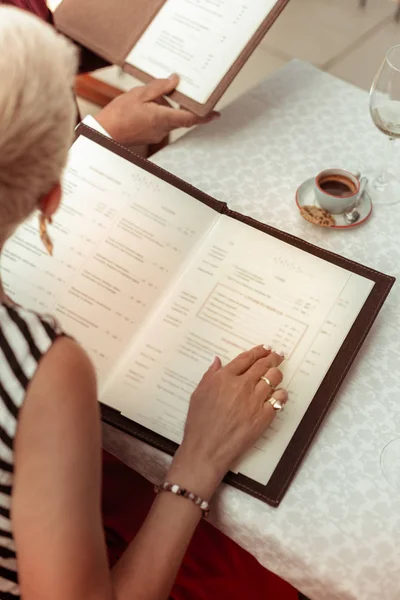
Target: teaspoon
point(352, 215)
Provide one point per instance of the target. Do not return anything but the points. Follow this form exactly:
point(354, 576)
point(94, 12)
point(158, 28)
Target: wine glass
point(385, 112)
point(390, 460)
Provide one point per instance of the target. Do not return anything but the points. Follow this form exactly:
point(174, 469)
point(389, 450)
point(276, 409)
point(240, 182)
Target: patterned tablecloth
point(336, 535)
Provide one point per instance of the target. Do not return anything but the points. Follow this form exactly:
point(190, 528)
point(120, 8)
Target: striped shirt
point(24, 338)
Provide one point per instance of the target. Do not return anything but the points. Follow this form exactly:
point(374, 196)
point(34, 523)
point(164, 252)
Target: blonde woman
point(51, 538)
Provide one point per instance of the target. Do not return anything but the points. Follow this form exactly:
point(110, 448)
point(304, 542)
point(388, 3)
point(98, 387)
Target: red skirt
point(214, 567)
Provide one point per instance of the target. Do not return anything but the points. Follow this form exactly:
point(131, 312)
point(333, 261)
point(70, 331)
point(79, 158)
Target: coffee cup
point(336, 190)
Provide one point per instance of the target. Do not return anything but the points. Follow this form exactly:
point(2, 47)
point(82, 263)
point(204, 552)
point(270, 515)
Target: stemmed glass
point(385, 112)
point(390, 460)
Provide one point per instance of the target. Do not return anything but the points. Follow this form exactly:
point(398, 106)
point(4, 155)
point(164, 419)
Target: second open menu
point(199, 40)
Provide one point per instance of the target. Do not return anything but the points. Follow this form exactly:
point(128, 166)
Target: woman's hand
point(227, 414)
point(59, 483)
point(143, 116)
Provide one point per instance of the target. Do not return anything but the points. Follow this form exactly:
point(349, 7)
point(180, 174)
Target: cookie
point(317, 216)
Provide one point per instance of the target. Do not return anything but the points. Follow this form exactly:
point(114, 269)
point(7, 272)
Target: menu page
point(199, 40)
point(120, 237)
point(244, 288)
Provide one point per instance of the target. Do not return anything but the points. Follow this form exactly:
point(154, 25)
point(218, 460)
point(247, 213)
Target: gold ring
point(267, 381)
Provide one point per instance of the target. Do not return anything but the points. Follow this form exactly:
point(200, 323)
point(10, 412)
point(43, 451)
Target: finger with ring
point(278, 400)
point(268, 383)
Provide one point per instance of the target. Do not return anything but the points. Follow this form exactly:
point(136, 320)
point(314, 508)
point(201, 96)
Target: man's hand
point(143, 116)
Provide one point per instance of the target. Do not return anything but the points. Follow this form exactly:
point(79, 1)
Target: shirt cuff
point(94, 124)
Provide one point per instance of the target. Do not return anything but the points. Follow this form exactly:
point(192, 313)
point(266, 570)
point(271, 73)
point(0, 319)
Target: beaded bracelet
point(178, 491)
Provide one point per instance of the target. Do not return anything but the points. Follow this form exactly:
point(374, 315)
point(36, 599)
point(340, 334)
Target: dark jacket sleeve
point(89, 61)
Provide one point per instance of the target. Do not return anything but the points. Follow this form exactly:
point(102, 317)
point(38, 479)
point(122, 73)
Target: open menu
point(206, 42)
point(155, 279)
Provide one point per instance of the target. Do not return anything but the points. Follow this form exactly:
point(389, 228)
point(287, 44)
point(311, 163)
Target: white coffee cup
point(336, 190)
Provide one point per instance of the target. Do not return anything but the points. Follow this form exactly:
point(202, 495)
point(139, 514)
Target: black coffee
point(335, 186)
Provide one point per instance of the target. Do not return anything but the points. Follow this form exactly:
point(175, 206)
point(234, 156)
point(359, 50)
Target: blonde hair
point(37, 111)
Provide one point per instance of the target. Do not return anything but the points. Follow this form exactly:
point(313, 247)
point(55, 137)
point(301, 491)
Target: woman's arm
point(56, 501)
point(56, 512)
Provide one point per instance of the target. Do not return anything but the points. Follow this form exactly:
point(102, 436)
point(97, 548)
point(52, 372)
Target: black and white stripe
point(24, 339)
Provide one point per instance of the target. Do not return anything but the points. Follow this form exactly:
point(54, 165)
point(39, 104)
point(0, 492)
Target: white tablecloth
point(337, 532)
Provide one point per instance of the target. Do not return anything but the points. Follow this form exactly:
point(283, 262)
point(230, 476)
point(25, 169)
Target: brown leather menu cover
point(111, 28)
point(273, 492)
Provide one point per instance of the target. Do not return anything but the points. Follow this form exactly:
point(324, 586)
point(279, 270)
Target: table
point(336, 534)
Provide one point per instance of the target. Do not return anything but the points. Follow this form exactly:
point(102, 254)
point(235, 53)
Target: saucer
point(305, 196)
